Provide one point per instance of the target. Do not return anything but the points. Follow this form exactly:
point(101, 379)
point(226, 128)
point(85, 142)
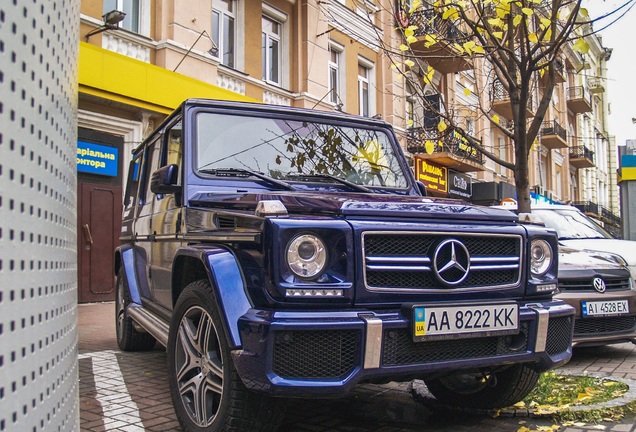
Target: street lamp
point(111, 22)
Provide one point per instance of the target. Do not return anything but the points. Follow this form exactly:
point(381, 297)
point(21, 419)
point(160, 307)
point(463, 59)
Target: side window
point(151, 164)
point(132, 183)
point(174, 149)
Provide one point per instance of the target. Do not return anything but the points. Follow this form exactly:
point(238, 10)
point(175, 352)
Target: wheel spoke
point(189, 349)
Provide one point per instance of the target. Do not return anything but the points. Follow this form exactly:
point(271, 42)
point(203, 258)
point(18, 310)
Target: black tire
point(128, 338)
point(200, 369)
point(496, 389)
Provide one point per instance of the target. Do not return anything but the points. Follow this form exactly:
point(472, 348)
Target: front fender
point(125, 257)
point(227, 282)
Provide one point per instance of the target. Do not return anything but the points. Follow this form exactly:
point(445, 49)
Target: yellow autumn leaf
point(440, 144)
point(428, 76)
point(517, 20)
point(582, 396)
point(498, 35)
point(404, 47)
point(430, 40)
point(520, 404)
point(532, 37)
point(584, 12)
point(581, 46)
point(468, 47)
point(523, 429)
point(409, 63)
point(450, 13)
point(609, 383)
point(414, 5)
point(429, 146)
point(545, 22)
point(527, 11)
point(394, 66)
point(479, 49)
point(467, 92)
point(495, 118)
point(411, 39)
point(412, 28)
point(548, 35)
point(409, 123)
point(495, 22)
point(442, 126)
point(408, 32)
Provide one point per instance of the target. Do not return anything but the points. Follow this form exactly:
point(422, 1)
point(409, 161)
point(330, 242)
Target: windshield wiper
point(240, 172)
point(347, 183)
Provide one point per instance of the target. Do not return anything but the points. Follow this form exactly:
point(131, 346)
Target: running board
point(149, 322)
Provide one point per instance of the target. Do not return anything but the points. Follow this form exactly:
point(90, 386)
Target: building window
point(223, 31)
point(363, 90)
point(272, 50)
point(335, 72)
point(134, 10)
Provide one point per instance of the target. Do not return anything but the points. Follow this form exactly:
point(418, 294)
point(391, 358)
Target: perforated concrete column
point(38, 105)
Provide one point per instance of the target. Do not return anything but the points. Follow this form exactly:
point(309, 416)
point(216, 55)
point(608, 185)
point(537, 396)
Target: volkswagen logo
point(599, 284)
point(451, 262)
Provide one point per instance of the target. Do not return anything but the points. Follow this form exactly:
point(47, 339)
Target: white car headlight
point(541, 257)
point(306, 256)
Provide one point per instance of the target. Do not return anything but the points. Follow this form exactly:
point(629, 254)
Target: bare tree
point(516, 46)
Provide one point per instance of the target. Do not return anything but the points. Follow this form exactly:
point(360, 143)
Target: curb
point(420, 394)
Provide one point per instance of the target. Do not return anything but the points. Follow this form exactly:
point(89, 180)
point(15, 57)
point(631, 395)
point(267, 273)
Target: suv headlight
point(541, 257)
point(306, 256)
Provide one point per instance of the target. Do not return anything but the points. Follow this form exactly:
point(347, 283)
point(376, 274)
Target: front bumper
point(326, 353)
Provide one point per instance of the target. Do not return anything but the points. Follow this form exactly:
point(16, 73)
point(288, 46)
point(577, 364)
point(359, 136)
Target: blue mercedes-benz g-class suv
point(280, 252)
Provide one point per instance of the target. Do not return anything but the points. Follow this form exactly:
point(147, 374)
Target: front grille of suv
point(326, 354)
point(400, 349)
point(404, 261)
point(611, 284)
point(599, 326)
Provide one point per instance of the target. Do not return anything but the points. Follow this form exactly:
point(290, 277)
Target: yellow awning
point(113, 76)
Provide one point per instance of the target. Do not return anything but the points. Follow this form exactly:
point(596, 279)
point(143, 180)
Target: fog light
point(314, 293)
point(546, 288)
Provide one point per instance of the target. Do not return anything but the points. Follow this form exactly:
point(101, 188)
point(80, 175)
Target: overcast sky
point(621, 69)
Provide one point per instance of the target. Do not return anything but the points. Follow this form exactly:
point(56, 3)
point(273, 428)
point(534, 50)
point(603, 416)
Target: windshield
point(570, 224)
point(283, 149)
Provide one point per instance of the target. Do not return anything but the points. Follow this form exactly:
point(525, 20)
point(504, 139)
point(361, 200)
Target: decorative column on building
point(38, 270)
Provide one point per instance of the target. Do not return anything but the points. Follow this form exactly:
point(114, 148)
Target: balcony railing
point(579, 100)
point(608, 216)
point(443, 55)
point(455, 144)
point(581, 157)
point(501, 103)
point(586, 207)
point(596, 85)
point(553, 135)
point(429, 21)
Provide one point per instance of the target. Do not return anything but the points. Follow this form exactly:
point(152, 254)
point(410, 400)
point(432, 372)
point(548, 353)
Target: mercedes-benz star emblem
point(451, 262)
point(599, 284)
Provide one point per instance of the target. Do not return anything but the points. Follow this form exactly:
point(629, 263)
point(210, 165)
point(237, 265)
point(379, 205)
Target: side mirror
point(165, 180)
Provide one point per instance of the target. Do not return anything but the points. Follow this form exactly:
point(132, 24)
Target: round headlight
point(540, 257)
point(306, 256)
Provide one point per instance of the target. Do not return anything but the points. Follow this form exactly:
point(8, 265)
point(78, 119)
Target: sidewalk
point(128, 392)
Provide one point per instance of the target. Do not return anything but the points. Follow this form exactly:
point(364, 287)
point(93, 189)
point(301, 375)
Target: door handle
point(87, 231)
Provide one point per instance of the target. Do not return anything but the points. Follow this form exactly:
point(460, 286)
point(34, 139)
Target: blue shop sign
point(97, 159)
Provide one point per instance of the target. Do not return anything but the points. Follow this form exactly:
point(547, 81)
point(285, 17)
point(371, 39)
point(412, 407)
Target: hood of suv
point(356, 204)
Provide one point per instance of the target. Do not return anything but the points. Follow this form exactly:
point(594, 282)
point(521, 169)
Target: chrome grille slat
point(403, 261)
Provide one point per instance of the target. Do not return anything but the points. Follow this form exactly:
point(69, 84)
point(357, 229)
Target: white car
point(577, 231)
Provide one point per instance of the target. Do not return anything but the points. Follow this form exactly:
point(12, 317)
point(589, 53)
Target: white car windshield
point(293, 150)
point(570, 224)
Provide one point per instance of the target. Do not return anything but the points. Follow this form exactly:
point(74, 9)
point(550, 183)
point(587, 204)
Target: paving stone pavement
point(128, 392)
